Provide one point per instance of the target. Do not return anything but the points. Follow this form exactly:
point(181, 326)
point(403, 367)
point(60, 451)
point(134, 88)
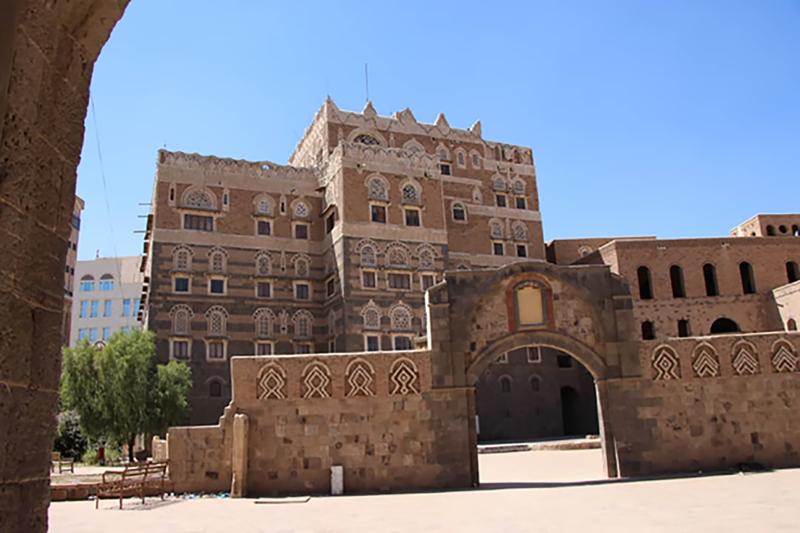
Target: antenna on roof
point(366, 80)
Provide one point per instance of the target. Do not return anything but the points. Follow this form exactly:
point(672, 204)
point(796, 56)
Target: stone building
point(333, 252)
point(69, 269)
point(107, 299)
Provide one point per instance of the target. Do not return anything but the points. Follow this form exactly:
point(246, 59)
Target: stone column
point(239, 462)
point(45, 68)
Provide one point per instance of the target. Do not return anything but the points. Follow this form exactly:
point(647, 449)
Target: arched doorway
point(535, 393)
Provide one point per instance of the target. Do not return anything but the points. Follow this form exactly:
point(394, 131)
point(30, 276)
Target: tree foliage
point(119, 391)
point(69, 439)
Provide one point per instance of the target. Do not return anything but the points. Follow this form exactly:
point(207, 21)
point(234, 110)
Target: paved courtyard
point(521, 491)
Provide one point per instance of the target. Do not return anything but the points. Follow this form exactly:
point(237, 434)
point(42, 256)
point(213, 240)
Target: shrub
point(70, 442)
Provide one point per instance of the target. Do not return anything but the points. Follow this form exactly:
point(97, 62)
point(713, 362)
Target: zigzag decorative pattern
point(666, 364)
point(745, 359)
point(705, 362)
point(404, 377)
point(316, 381)
point(783, 357)
point(271, 382)
point(359, 379)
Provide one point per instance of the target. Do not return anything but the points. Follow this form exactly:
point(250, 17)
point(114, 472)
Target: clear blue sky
point(667, 118)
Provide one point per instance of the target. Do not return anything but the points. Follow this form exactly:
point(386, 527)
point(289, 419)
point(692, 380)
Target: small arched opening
point(792, 273)
point(724, 325)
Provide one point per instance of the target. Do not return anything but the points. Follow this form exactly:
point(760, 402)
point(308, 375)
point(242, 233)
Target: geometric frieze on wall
point(705, 362)
point(666, 364)
point(744, 359)
point(784, 358)
point(316, 381)
point(403, 377)
point(359, 378)
point(271, 382)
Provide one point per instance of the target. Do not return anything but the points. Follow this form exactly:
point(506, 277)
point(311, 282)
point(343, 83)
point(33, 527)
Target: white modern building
point(106, 299)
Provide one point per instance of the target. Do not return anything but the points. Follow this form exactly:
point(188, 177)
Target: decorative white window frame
point(180, 275)
point(463, 207)
point(381, 204)
point(305, 223)
point(374, 271)
point(180, 338)
point(375, 334)
point(460, 157)
point(423, 275)
point(263, 342)
point(260, 279)
point(222, 277)
point(309, 344)
point(501, 243)
point(328, 280)
point(517, 246)
point(261, 218)
point(401, 272)
point(224, 342)
point(537, 350)
point(406, 335)
point(297, 282)
point(410, 207)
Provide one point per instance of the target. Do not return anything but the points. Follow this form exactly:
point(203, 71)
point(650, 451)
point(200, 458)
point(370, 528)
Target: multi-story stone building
point(69, 269)
point(107, 299)
point(334, 251)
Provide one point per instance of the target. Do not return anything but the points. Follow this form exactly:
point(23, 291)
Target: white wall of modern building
point(106, 298)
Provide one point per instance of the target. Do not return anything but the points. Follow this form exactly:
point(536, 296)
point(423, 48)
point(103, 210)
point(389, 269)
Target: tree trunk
point(131, 441)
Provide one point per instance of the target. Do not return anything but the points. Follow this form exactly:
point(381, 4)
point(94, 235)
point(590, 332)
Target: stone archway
point(47, 55)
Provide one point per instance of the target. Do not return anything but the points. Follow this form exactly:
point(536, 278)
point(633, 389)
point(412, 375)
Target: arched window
point(364, 138)
point(400, 317)
point(301, 266)
point(368, 255)
point(181, 319)
point(505, 384)
point(303, 321)
point(264, 205)
point(215, 388)
point(791, 325)
point(748, 280)
point(377, 189)
point(499, 183)
point(459, 212)
point(106, 282)
point(645, 287)
point(217, 261)
point(519, 231)
point(676, 279)
point(792, 272)
point(648, 331)
point(536, 383)
point(301, 209)
point(216, 320)
point(518, 186)
point(198, 199)
point(263, 264)
point(371, 315)
point(263, 321)
point(496, 229)
point(426, 257)
point(710, 278)
point(182, 258)
point(724, 325)
point(413, 146)
point(397, 255)
point(410, 194)
point(87, 283)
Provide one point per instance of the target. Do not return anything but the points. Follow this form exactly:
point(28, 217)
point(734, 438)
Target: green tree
point(119, 391)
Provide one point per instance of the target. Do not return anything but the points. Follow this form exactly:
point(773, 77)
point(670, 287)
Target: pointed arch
point(401, 317)
point(377, 187)
point(412, 145)
point(397, 254)
point(371, 316)
point(216, 320)
point(426, 256)
point(367, 250)
point(411, 191)
point(181, 316)
point(359, 378)
point(303, 322)
point(264, 322)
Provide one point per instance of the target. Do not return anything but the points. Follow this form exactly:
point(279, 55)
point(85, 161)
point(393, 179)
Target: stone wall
point(787, 303)
point(375, 414)
point(709, 403)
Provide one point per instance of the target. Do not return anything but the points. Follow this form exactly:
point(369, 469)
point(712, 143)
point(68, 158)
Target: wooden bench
point(57, 461)
point(134, 480)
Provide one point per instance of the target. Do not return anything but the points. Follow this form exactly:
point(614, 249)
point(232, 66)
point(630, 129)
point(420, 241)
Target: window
point(648, 331)
point(180, 349)
point(303, 347)
point(378, 213)
point(330, 222)
point(198, 222)
point(410, 194)
point(87, 284)
point(522, 250)
point(724, 325)
point(136, 303)
point(710, 278)
point(264, 289)
point(564, 361)
point(106, 282)
point(215, 349)
point(536, 383)
point(399, 281)
point(301, 210)
point(427, 281)
point(505, 384)
point(368, 279)
point(84, 308)
point(93, 312)
point(748, 281)
point(461, 159)
point(459, 213)
point(791, 325)
point(683, 328)
point(216, 286)
point(497, 248)
point(645, 288)
point(214, 389)
point(770, 230)
point(520, 202)
point(263, 348)
point(476, 160)
point(216, 321)
point(500, 200)
point(534, 354)
point(378, 189)
point(372, 343)
point(92, 334)
point(676, 279)
point(791, 271)
point(330, 287)
point(106, 333)
point(181, 319)
point(126, 307)
point(264, 227)
point(412, 217)
point(444, 168)
point(83, 333)
point(301, 291)
point(332, 345)
point(369, 140)
point(301, 231)
point(107, 308)
point(402, 342)
point(368, 255)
